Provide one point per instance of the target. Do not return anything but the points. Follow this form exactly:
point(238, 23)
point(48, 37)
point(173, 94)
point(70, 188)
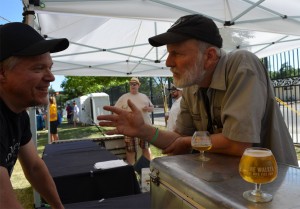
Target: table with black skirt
point(137, 201)
point(71, 164)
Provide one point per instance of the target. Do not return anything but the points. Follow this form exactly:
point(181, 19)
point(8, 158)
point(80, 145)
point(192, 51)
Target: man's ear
point(211, 58)
point(2, 73)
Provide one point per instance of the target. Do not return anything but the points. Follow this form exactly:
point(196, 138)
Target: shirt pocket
point(198, 121)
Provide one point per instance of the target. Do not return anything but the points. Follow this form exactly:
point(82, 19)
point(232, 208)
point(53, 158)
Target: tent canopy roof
point(110, 38)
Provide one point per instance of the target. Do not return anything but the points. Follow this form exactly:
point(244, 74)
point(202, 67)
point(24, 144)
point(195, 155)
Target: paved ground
point(158, 117)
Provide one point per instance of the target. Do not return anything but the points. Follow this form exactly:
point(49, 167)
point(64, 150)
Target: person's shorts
point(132, 142)
point(53, 127)
point(75, 118)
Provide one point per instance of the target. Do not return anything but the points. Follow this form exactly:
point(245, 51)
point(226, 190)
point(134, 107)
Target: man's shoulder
point(241, 53)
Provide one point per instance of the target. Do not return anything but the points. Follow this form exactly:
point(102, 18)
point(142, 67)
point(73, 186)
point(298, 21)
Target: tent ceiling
point(110, 38)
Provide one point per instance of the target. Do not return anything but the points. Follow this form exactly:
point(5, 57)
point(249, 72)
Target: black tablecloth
point(71, 166)
point(138, 201)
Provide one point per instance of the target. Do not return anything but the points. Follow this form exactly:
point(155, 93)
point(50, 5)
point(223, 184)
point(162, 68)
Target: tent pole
point(29, 20)
point(151, 98)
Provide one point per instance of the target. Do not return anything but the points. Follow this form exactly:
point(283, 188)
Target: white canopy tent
point(110, 38)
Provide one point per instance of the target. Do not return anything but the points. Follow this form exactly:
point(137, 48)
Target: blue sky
point(11, 11)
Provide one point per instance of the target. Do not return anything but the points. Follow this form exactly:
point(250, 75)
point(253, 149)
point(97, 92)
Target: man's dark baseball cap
point(187, 27)
point(19, 39)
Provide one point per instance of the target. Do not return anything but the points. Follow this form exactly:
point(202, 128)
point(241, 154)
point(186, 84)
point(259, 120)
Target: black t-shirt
point(14, 132)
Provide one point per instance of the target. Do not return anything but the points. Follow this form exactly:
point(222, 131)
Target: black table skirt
point(71, 166)
point(138, 201)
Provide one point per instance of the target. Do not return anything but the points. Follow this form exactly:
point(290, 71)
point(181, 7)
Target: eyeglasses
point(133, 84)
point(173, 91)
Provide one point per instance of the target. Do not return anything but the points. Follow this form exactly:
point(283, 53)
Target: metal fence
point(284, 71)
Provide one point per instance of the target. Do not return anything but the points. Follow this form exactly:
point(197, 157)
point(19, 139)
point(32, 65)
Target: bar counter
point(183, 181)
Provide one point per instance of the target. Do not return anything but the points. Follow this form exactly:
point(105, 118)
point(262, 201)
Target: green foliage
point(75, 86)
point(285, 71)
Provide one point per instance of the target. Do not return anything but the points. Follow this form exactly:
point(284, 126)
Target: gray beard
point(193, 76)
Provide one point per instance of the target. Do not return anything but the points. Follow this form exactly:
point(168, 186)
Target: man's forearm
point(158, 138)
point(221, 144)
point(42, 181)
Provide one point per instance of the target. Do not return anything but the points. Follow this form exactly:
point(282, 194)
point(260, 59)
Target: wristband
point(154, 137)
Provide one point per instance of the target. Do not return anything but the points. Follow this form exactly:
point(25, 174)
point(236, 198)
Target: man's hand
point(126, 123)
point(182, 145)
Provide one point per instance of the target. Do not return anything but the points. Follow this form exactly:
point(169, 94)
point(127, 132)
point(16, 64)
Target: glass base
point(257, 196)
point(203, 158)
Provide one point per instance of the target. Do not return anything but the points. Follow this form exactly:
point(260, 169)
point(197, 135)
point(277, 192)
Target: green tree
point(285, 71)
point(75, 86)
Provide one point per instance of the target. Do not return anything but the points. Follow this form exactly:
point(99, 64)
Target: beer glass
point(201, 142)
point(258, 166)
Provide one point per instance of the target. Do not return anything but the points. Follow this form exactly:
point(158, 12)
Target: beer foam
point(258, 153)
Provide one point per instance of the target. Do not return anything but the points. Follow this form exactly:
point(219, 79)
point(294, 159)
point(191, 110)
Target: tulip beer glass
point(258, 166)
point(201, 142)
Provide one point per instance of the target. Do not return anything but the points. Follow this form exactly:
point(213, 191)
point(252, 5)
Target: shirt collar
point(219, 78)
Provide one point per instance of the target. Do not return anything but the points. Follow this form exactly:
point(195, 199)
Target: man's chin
point(40, 101)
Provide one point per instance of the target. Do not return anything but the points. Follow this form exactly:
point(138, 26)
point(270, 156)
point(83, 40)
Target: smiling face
point(27, 83)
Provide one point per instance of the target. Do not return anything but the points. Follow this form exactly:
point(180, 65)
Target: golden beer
point(258, 166)
point(202, 147)
point(201, 142)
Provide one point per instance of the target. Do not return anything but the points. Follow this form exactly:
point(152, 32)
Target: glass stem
point(257, 191)
point(202, 154)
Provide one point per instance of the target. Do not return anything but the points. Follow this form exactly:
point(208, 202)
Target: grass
point(23, 189)
point(297, 147)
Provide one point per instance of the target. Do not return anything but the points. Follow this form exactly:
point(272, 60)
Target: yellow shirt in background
point(53, 112)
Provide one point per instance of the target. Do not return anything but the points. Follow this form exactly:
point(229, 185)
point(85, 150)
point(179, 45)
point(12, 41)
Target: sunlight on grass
point(297, 147)
point(22, 188)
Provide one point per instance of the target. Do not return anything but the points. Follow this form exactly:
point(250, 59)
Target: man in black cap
point(228, 94)
point(25, 76)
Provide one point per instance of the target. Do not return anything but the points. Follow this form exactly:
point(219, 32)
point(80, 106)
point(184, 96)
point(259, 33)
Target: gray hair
point(9, 63)
point(204, 45)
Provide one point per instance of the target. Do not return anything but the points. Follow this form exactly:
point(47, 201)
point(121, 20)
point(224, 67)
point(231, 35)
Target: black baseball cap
point(190, 26)
point(19, 39)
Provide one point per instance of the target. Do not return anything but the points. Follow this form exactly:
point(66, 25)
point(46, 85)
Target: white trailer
point(90, 106)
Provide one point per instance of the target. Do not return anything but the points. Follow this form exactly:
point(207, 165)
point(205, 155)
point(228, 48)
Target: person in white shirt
point(75, 113)
point(146, 106)
point(171, 117)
